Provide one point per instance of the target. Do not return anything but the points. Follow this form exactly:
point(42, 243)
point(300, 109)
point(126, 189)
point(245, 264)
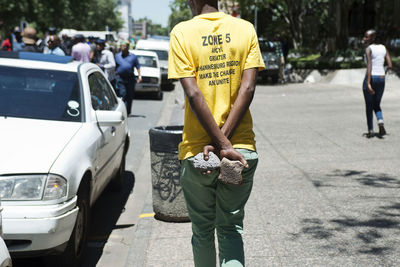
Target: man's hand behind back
point(228, 152)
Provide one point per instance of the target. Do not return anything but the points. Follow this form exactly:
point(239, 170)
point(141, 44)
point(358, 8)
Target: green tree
point(102, 13)
point(180, 11)
point(75, 14)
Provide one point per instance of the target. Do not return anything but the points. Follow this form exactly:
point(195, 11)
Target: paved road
point(323, 194)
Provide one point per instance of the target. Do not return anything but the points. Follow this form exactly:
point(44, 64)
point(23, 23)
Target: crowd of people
point(118, 65)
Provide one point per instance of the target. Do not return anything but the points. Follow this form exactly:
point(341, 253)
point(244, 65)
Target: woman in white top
point(374, 82)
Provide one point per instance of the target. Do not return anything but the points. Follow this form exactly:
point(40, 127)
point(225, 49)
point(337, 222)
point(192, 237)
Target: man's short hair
point(211, 2)
point(79, 37)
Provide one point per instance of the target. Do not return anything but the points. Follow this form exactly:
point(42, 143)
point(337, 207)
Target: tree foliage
point(180, 11)
point(75, 14)
point(323, 24)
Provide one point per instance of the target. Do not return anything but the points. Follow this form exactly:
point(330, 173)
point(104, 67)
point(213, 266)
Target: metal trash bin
point(168, 200)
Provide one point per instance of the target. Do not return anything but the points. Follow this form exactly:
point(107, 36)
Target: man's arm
point(242, 102)
point(199, 106)
point(388, 60)
point(139, 75)
point(110, 61)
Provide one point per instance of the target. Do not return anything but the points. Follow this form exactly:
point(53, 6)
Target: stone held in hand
point(212, 163)
point(231, 172)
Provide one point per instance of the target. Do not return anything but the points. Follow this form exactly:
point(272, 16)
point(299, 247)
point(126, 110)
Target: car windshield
point(162, 54)
point(147, 61)
point(39, 94)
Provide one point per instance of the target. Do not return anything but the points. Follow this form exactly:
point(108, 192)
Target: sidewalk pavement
point(323, 194)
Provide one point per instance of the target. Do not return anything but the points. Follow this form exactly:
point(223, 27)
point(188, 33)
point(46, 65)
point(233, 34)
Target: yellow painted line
point(146, 215)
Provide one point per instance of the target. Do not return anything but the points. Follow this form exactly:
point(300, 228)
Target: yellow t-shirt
point(214, 48)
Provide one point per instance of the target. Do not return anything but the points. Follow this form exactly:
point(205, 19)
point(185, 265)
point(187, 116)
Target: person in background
point(106, 61)
point(374, 82)
point(66, 44)
point(126, 80)
point(6, 44)
point(17, 43)
point(44, 44)
point(53, 45)
point(217, 119)
point(80, 50)
point(29, 38)
point(92, 44)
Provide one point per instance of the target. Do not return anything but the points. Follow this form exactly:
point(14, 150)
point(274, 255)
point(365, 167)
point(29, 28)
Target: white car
point(161, 47)
point(5, 259)
point(63, 139)
point(150, 71)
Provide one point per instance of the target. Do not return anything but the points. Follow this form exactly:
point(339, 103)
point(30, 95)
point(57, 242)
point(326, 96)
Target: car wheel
point(117, 182)
point(275, 78)
point(73, 254)
point(159, 95)
point(168, 87)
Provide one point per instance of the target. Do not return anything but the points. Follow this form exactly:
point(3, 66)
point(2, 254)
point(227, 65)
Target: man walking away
point(106, 61)
point(126, 80)
point(81, 50)
point(216, 57)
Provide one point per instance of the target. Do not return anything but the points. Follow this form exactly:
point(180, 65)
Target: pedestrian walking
point(374, 82)
point(216, 57)
point(106, 61)
point(126, 80)
point(80, 50)
point(53, 46)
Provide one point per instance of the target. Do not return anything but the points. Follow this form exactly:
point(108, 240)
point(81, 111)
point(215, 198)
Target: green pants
point(214, 205)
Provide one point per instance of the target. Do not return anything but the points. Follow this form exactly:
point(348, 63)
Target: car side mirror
point(109, 117)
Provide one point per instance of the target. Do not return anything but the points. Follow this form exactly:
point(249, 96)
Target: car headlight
point(153, 80)
point(32, 187)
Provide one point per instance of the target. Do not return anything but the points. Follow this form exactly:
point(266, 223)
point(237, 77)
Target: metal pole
point(255, 17)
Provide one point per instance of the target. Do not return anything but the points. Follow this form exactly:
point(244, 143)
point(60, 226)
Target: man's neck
point(208, 9)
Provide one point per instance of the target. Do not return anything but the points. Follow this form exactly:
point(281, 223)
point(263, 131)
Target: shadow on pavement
point(365, 226)
point(105, 214)
point(381, 180)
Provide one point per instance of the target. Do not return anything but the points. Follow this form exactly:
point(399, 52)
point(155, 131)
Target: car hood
point(164, 64)
point(149, 72)
point(32, 146)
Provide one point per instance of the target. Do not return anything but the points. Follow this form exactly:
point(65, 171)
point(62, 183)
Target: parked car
point(63, 139)
point(271, 53)
point(150, 72)
point(161, 47)
point(5, 259)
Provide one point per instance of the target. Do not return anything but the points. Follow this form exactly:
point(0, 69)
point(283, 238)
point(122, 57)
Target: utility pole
point(255, 16)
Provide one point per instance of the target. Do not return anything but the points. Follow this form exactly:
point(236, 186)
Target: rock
point(231, 171)
point(212, 163)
